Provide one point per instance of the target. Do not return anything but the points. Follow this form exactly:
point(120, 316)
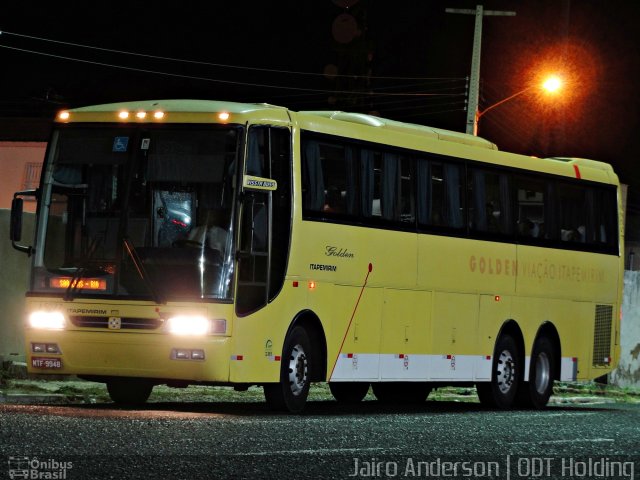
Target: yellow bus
point(186, 242)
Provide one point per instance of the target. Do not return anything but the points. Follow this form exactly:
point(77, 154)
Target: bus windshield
point(144, 212)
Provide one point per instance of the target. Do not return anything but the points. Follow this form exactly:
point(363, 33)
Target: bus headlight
point(188, 325)
point(46, 320)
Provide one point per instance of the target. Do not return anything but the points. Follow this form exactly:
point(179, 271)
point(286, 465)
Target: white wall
point(628, 371)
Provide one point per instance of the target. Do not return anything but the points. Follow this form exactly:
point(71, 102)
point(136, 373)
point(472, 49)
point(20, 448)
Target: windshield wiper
point(137, 262)
point(81, 269)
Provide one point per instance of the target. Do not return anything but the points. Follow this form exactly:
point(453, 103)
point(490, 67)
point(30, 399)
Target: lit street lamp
point(551, 84)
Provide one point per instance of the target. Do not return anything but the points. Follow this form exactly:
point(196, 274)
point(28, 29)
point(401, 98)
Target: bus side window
point(440, 199)
point(572, 207)
point(531, 201)
point(328, 179)
point(489, 201)
point(386, 186)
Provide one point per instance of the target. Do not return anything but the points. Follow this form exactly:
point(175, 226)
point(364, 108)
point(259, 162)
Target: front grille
point(125, 323)
point(602, 335)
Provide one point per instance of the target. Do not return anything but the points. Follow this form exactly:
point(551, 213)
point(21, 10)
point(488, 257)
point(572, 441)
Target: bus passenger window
point(531, 197)
point(329, 180)
point(440, 196)
point(489, 202)
point(572, 208)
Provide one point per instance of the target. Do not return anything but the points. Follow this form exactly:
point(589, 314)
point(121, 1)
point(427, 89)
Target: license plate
point(42, 362)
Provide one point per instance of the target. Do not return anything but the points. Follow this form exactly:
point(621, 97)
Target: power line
point(221, 65)
point(217, 80)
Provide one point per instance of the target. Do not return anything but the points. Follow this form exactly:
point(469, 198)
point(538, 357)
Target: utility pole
point(474, 80)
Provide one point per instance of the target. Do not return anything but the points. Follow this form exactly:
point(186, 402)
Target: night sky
point(279, 51)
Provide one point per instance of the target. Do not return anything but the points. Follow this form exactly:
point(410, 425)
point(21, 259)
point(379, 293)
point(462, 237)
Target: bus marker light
point(312, 285)
point(224, 116)
point(295, 284)
point(577, 171)
point(237, 357)
point(141, 115)
point(123, 115)
point(158, 115)
point(64, 115)
point(497, 298)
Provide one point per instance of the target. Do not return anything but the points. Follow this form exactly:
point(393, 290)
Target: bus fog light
point(46, 320)
point(188, 325)
point(38, 347)
point(52, 348)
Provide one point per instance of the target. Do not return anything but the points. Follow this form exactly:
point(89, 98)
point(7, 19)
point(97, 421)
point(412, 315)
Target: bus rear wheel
point(501, 391)
point(291, 393)
point(401, 392)
point(537, 391)
point(349, 392)
point(129, 391)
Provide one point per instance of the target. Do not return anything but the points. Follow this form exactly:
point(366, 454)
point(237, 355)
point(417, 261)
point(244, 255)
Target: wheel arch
point(549, 330)
point(312, 324)
point(511, 327)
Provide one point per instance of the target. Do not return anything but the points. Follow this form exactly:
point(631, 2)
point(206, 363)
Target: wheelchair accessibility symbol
point(120, 144)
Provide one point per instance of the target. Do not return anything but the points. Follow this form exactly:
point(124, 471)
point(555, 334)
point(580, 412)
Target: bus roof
point(202, 111)
point(409, 128)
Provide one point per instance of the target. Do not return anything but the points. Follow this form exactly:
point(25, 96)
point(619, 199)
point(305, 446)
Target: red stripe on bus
point(577, 170)
point(370, 268)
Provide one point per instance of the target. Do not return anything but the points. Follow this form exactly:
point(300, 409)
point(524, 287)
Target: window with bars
point(31, 175)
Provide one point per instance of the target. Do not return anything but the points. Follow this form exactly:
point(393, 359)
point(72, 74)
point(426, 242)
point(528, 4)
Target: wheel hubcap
point(297, 370)
point(543, 367)
point(506, 373)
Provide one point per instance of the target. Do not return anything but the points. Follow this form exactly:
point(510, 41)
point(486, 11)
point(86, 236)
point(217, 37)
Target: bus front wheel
point(349, 392)
point(129, 391)
point(291, 392)
point(501, 391)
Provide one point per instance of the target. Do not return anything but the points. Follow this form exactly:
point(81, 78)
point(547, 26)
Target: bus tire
point(129, 391)
point(536, 392)
point(401, 392)
point(501, 391)
point(349, 392)
point(290, 394)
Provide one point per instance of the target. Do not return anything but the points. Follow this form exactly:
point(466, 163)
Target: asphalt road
point(244, 440)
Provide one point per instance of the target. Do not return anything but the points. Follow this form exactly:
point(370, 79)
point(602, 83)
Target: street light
point(551, 84)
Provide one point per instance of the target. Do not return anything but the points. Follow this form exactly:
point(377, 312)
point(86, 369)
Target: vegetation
point(78, 391)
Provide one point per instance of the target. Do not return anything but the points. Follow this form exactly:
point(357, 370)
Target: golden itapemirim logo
point(542, 270)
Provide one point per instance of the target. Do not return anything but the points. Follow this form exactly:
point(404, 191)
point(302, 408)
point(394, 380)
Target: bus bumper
point(157, 356)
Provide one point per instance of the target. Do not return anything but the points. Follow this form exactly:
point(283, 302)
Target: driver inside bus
point(212, 232)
